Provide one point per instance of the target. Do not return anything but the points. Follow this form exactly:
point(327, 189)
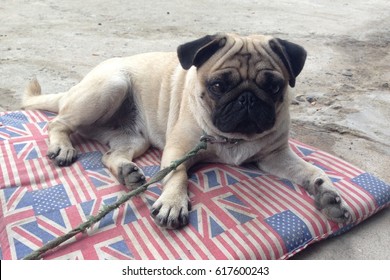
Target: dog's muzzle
point(246, 114)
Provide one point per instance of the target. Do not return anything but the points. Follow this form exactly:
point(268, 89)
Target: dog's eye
point(275, 89)
point(217, 88)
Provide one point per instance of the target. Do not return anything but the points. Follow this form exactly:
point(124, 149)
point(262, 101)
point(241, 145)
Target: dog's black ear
point(292, 55)
point(197, 52)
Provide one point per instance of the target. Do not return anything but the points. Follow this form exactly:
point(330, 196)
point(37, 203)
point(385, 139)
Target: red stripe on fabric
point(262, 248)
point(163, 235)
point(338, 165)
point(272, 239)
point(49, 227)
point(227, 248)
point(252, 196)
point(187, 232)
point(244, 253)
point(156, 246)
point(253, 253)
point(184, 248)
point(114, 253)
point(28, 236)
point(8, 160)
point(140, 241)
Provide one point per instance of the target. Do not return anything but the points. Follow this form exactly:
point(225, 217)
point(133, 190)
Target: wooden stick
point(37, 254)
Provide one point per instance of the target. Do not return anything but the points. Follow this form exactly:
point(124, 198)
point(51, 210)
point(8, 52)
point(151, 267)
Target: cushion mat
point(237, 212)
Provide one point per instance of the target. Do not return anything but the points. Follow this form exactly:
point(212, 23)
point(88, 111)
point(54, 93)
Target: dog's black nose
point(247, 99)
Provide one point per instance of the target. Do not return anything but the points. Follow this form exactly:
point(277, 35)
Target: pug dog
point(233, 90)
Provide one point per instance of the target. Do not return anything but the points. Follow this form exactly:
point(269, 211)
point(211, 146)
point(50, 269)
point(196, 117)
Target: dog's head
point(243, 79)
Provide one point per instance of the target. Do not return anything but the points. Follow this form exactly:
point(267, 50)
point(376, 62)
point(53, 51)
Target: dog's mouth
point(247, 115)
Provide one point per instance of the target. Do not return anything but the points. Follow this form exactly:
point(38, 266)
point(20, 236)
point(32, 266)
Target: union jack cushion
point(237, 213)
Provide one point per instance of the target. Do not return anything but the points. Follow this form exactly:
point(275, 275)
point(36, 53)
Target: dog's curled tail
point(34, 99)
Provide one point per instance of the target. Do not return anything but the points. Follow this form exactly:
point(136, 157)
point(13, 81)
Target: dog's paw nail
point(162, 221)
point(173, 224)
point(53, 155)
point(183, 220)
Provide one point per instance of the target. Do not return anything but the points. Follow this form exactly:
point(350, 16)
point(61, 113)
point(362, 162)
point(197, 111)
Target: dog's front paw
point(171, 211)
point(130, 175)
point(330, 202)
point(62, 155)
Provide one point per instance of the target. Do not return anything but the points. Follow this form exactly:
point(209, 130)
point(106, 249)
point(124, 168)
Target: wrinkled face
point(245, 91)
point(243, 79)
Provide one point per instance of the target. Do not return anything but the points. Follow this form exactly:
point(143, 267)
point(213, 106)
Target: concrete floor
point(347, 71)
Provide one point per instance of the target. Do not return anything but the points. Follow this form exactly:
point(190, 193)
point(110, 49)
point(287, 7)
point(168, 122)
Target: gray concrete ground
point(346, 77)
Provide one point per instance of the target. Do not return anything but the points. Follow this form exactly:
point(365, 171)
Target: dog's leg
point(286, 164)
point(171, 209)
point(119, 159)
point(90, 103)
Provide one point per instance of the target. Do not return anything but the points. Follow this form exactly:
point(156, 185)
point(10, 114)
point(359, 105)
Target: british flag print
point(237, 212)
